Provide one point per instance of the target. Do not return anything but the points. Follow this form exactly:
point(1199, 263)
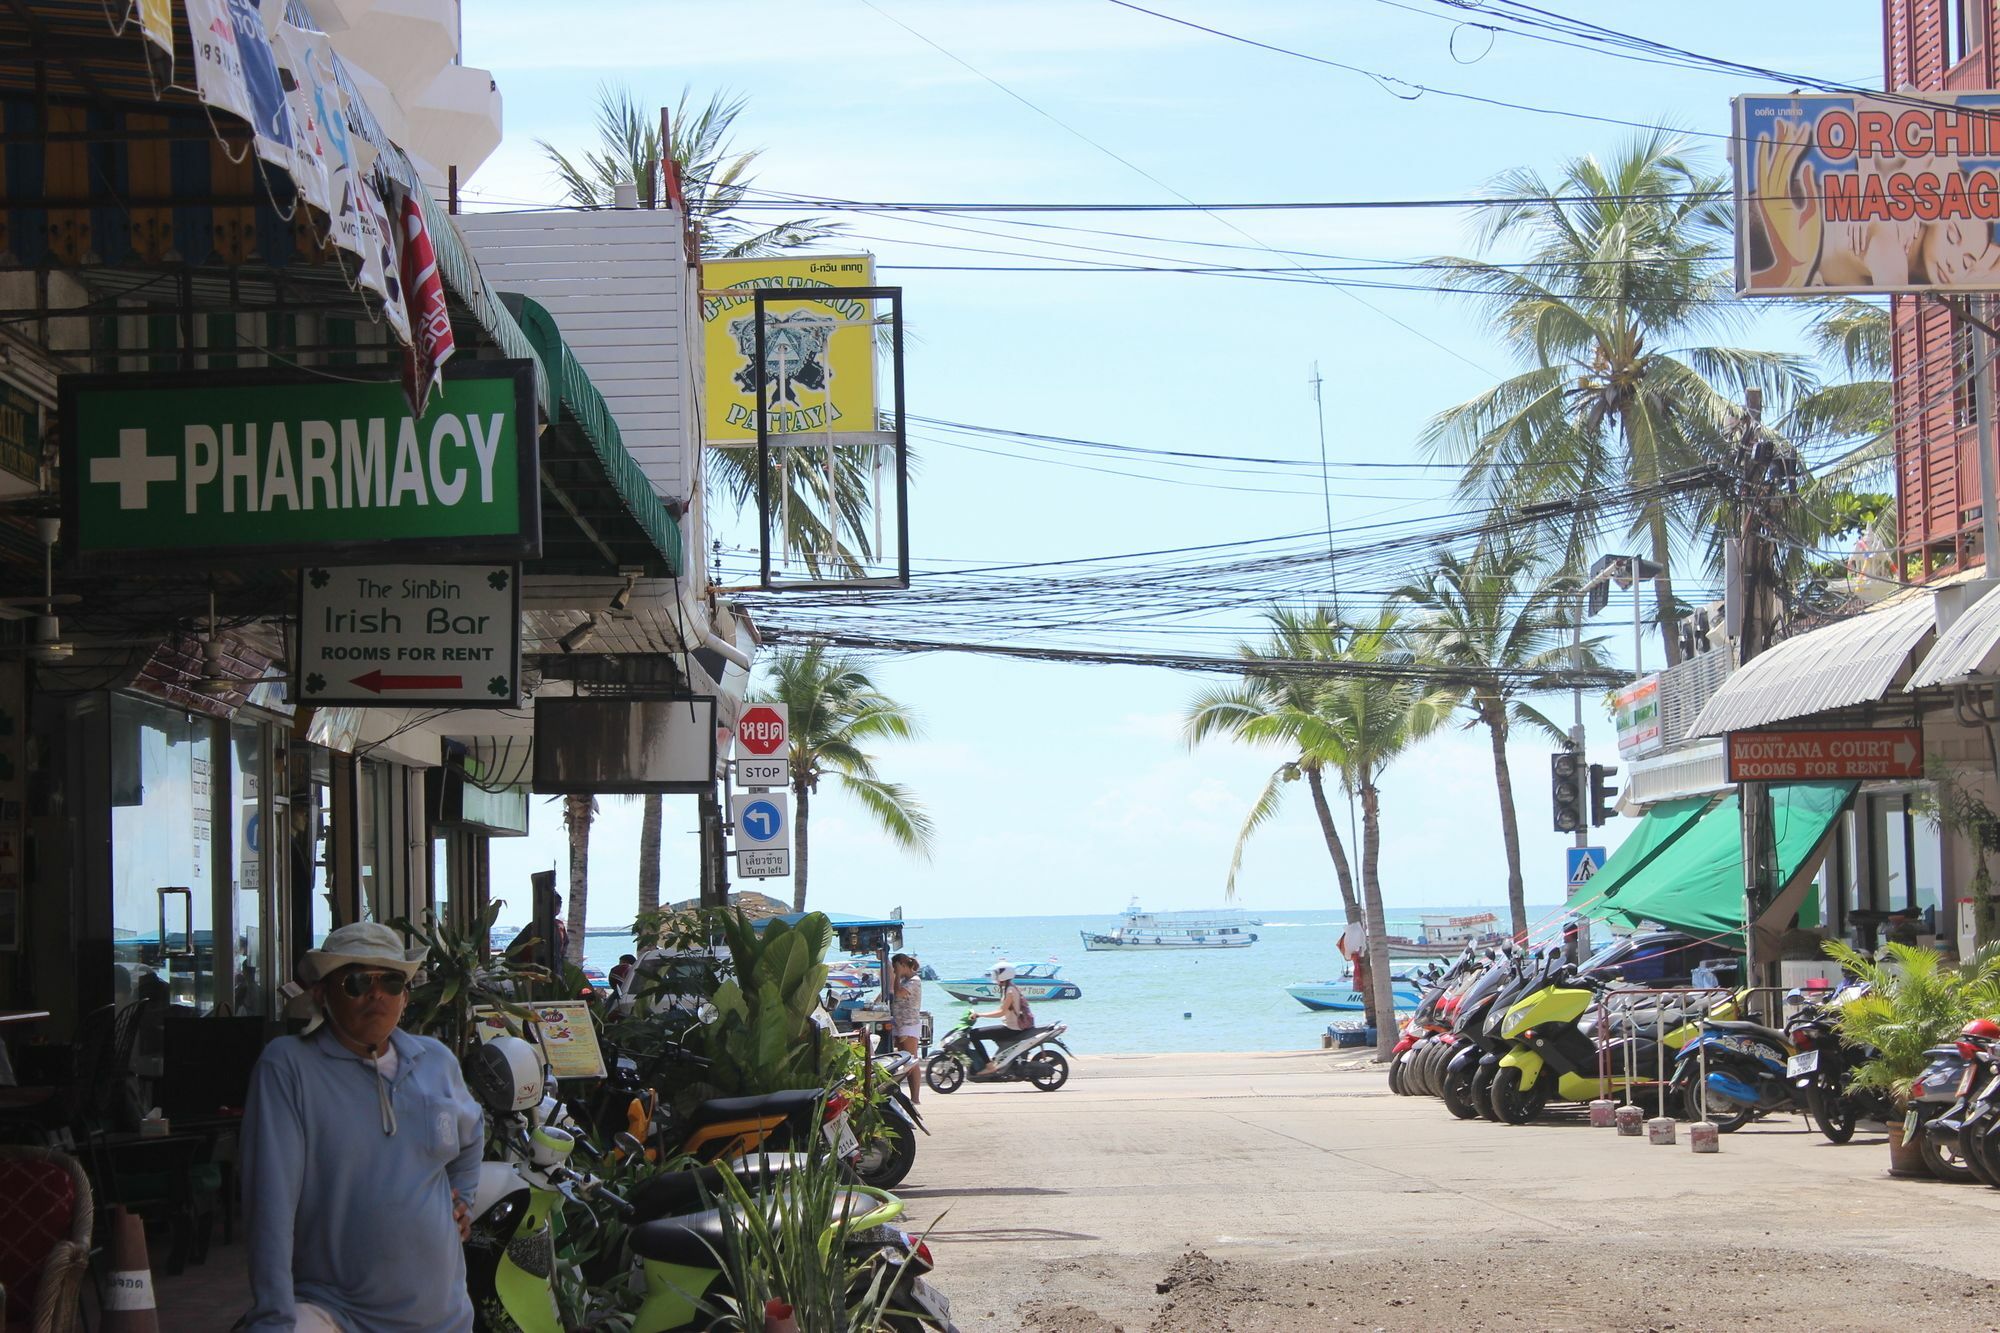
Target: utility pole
point(1755, 478)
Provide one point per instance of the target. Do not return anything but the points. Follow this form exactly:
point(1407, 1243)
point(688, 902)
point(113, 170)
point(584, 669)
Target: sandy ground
point(1283, 1192)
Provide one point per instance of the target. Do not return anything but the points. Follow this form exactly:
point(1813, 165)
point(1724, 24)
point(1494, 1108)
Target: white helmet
point(1002, 972)
point(505, 1074)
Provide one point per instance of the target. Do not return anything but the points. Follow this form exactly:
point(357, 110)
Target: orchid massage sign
point(227, 467)
point(1865, 195)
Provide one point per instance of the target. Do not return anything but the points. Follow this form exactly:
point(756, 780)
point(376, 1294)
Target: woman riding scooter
point(1014, 1014)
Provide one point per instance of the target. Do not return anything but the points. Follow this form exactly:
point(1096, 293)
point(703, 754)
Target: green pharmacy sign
point(226, 467)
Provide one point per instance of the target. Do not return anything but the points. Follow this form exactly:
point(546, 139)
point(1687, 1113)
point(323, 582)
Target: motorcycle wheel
point(1482, 1092)
point(1987, 1146)
point(1457, 1094)
point(888, 1157)
point(1427, 1070)
point(1727, 1116)
point(1396, 1076)
point(1439, 1062)
point(1048, 1071)
point(1513, 1106)
point(1835, 1115)
point(944, 1073)
point(1969, 1150)
point(1945, 1160)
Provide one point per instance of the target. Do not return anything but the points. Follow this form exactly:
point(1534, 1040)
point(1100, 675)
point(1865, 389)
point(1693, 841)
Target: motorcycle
point(678, 1230)
point(1747, 1073)
point(1822, 1068)
point(1036, 1056)
point(1978, 1108)
point(1933, 1094)
point(887, 1156)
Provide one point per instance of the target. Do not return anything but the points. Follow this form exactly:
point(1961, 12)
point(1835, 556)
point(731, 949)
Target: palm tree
point(651, 816)
point(714, 176)
point(578, 811)
point(835, 710)
point(1375, 710)
point(1624, 265)
point(1281, 708)
point(1489, 618)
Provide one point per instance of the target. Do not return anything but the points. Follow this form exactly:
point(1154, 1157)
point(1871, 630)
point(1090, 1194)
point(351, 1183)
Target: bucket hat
point(362, 944)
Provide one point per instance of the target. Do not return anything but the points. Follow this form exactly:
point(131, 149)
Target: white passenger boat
point(1172, 930)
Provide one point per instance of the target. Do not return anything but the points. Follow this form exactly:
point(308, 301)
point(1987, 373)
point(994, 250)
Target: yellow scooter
point(1557, 1049)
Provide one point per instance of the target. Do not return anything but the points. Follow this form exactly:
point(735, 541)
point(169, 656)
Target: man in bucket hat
point(359, 1143)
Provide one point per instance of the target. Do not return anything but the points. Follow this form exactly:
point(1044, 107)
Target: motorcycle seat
point(1748, 1030)
point(697, 1239)
point(785, 1104)
point(691, 1191)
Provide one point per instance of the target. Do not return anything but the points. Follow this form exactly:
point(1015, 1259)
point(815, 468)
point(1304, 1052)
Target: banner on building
point(231, 467)
point(156, 20)
point(819, 354)
point(1836, 193)
point(431, 341)
point(1636, 709)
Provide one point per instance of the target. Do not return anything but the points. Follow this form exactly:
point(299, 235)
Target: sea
point(1148, 1001)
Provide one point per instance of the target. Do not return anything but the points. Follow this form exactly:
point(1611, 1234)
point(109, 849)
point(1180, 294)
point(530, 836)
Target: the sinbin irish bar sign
point(227, 467)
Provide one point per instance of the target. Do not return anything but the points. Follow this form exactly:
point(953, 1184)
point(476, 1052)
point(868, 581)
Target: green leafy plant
point(1914, 1001)
point(762, 1038)
point(458, 978)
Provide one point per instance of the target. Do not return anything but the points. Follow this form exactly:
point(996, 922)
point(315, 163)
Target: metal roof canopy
point(1970, 647)
point(1853, 662)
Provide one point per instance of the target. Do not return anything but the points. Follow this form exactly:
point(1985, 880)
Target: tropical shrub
point(1913, 1003)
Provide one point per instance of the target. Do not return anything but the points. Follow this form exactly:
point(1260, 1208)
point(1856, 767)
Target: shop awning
point(1853, 662)
point(1657, 830)
point(1695, 881)
point(1971, 647)
point(597, 484)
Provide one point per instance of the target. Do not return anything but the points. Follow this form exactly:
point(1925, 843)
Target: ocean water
point(1171, 1000)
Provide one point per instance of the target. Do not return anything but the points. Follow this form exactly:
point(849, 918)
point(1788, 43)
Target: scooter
point(678, 1232)
point(887, 1156)
point(1822, 1067)
point(1747, 1073)
point(1036, 1056)
point(1931, 1096)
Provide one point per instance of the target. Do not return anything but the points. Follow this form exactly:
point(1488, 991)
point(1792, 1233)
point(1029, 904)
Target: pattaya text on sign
point(1804, 756)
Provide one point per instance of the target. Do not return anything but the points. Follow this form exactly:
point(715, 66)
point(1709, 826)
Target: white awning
point(1853, 662)
point(1971, 647)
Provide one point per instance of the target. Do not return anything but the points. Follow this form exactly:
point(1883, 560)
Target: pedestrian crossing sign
point(1584, 863)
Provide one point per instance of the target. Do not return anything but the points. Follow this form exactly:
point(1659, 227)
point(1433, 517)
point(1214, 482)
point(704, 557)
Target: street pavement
point(1072, 1209)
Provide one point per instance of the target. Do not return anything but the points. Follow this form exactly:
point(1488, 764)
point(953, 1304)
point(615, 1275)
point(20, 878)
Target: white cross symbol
point(134, 470)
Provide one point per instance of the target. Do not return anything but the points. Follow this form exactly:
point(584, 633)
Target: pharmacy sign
point(228, 467)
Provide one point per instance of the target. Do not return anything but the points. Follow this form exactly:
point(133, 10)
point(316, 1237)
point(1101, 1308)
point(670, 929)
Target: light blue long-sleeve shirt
point(343, 1215)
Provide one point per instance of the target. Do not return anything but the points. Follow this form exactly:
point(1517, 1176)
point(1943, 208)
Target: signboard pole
point(1989, 512)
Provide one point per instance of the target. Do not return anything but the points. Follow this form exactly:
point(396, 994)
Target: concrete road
point(1296, 1173)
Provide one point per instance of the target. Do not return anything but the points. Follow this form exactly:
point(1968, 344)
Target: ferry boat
point(1172, 930)
point(1341, 994)
point(1038, 981)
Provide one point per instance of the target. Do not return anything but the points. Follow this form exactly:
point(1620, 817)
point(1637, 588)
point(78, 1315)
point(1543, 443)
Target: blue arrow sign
point(1584, 863)
point(761, 821)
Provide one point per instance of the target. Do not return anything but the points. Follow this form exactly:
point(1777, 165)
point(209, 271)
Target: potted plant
point(1914, 1002)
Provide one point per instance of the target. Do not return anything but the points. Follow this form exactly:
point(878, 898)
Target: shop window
point(247, 835)
point(162, 860)
point(1905, 859)
point(374, 826)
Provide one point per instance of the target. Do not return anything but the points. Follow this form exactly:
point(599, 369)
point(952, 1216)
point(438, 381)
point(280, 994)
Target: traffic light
point(1603, 794)
point(1566, 789)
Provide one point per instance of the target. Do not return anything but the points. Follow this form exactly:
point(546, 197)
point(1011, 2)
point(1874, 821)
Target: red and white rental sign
point(765, 731)
point(1804, 756)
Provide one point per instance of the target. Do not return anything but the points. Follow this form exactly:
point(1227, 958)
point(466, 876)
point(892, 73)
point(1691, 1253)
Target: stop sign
point(761, 729)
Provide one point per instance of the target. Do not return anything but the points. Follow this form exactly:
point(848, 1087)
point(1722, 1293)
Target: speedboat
point(1038, 981)
point(1342, 994)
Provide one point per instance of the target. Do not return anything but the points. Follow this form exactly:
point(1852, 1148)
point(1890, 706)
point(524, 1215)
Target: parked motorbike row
point(1508, 1032)
point(746, 1164)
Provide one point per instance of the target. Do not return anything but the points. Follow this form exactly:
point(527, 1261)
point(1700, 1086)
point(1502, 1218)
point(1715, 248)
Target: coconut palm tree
point(1624, 276)
point(651, 815)
point(1281, 709)
point(1375, 709)
point(1497, 624)
point(834, 711)
point(578, 811)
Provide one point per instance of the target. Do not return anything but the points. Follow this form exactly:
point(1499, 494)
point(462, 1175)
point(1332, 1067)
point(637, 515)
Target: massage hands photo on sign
point(1844, 194)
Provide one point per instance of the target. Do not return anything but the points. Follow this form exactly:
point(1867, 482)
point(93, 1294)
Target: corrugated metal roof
point(1853, 662)
point(1971, 647)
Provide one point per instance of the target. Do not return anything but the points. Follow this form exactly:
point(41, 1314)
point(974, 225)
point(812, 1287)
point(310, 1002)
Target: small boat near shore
point(1037, 981)
point(1138, 930)
point(1341, 994)
point(1443, 936)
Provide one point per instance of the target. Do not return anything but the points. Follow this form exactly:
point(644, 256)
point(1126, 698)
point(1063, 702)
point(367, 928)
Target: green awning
point(604, 499)
point(1658, 827)
point(1694, 881)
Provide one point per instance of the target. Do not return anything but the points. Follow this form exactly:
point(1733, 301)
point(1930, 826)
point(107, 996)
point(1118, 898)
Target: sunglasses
point(358, 984)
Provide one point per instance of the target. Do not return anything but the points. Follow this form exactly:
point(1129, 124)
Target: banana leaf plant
point(763, 1038)
point(458, 979)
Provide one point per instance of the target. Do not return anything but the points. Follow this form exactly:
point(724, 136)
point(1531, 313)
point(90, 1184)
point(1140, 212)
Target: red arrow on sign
point(761, 730)
point(376, 683)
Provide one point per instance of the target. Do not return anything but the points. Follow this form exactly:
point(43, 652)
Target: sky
point(1063, 788)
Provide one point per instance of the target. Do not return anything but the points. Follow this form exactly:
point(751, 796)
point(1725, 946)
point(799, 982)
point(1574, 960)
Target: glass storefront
point(251, 986)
